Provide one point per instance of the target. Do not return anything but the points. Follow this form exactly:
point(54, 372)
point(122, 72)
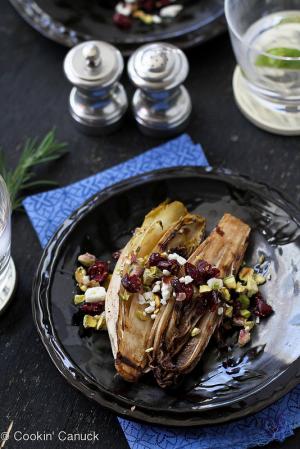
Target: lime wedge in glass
point(268, 61)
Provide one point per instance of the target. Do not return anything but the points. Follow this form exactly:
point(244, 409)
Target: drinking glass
point(265, 36)
point(7, 268)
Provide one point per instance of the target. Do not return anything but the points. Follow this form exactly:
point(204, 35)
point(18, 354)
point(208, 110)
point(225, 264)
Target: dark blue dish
point(70, 22)
point(214, 392)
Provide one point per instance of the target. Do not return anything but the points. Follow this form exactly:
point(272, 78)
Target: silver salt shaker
point(98, 101)
point(161, 105)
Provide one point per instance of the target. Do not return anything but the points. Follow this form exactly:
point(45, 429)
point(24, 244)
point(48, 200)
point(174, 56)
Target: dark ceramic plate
point(70, 22)
point(262, 373)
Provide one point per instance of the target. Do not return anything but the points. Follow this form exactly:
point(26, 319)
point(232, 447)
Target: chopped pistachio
point(246, 273)
point(252, 287)
point(229, 312)
point(245, 313)
point(157, 301)
point(87, 259)
point(124, 295)
point(215, 283)
point(150, 274)
point(240, 288)
point(259, 279)
point(101, 324)
point(80, 273)
point(78, 299)
point(89, 322)
point(226, 294)
point(196, 331)
point(149, 350)
point(245, 301)
point(141, 316)
point(230, 282)
point(249, 325)
point(204, 289)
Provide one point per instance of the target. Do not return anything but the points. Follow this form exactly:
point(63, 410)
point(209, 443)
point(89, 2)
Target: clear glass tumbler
point(265, 35)
point(7, 268)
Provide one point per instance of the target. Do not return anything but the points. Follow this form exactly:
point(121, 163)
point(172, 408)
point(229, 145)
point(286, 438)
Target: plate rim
point(89, 387)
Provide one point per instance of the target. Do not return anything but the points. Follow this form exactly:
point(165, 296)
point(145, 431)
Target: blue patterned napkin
point(48, 210)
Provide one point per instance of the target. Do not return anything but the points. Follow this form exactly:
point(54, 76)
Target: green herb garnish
point(33, 154)
point(266, 61)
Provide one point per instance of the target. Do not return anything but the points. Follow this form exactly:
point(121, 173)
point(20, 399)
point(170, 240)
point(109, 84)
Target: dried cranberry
point(92, 309)
point(122, 21)
point(155, 258)
point(98, 271)
point(201, 272)
point(192, 271)
point(132, 283)
point(262, 309)
point(207, 270)
point(148, 5)
point(180, 287)
point(171, 265)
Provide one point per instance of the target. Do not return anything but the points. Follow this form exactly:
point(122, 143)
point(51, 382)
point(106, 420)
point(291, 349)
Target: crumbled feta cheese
point(171, 11)
point(122, 9)
point(148, 296)
point(186, 280)
point(150, 309)
point(181, 260)
point(166, 273)
point(156, 19)
point(156, 288)
point(95, 294)
point(215, 283)
point(142, 299)
point(220, 311)
point(257, 320)
point(166, 290)
point(152, 303)
point(153, 316)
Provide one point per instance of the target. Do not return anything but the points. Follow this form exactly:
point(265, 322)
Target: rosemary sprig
point(33, 154)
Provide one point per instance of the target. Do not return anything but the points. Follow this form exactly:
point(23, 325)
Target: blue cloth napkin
point(48, 210)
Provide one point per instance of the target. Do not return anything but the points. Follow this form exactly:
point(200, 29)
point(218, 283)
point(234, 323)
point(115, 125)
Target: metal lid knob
point(93, 64)
point(91, 54)
point(158, 66)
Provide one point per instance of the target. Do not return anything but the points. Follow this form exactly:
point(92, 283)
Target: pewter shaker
point(161, 105)
point(98, 101)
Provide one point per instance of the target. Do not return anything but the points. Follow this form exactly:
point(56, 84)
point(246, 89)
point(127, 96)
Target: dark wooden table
point(34, 95)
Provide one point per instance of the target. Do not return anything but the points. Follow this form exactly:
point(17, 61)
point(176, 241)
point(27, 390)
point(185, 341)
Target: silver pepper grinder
point(98, 101)
point(161, 105)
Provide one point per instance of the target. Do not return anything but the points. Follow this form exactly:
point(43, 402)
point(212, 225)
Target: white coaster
point(8, 288)
point(260, 113)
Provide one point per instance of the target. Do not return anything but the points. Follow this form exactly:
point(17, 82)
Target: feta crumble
point(166, 291)
point(95, 294)
point(181, 260)
point(186, 280)
point(220, 311)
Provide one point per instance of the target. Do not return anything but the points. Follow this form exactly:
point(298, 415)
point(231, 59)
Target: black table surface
point(34, 98)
